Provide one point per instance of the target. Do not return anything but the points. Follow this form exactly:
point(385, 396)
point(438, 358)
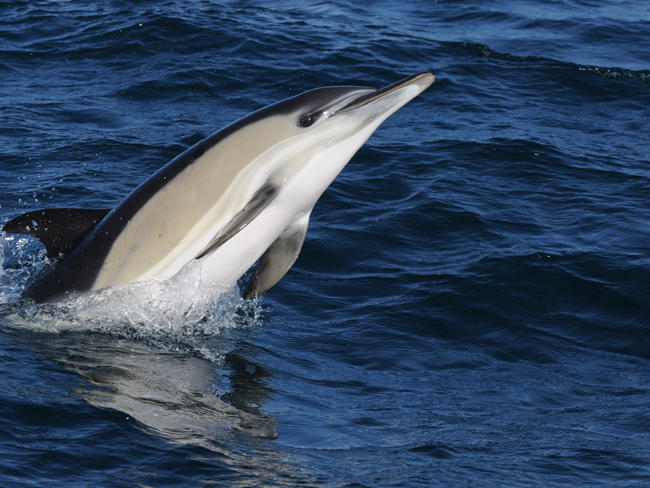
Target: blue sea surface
point(471, 306)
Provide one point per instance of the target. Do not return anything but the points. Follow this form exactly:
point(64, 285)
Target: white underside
point(296, 199)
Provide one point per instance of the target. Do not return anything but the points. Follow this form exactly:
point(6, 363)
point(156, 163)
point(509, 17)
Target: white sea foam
point(182, 311)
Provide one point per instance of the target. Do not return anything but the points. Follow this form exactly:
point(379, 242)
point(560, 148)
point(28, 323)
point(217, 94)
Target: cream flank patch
point(180, 220)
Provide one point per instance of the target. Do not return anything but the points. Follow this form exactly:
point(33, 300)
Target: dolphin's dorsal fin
point(278, 258)
point(252, 209)
point(59, 229)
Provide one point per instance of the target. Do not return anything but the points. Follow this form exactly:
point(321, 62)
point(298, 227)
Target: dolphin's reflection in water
point(171, 393)
point(174, 395)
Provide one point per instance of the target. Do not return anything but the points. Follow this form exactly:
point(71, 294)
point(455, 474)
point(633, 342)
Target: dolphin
point(243, 194)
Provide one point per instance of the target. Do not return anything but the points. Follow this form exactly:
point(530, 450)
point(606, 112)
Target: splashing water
point(182, 311)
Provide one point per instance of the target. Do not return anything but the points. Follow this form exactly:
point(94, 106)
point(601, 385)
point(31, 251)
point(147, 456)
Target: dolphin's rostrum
point(241, 195)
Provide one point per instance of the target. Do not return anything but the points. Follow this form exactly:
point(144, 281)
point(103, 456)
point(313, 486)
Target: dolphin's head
point(317, 132)
point(356, 105)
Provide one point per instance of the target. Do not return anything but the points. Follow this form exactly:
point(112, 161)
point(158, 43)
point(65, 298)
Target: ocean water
point(471, 306)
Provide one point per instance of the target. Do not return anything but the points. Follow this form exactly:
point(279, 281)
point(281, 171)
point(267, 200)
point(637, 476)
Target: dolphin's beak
point(420, 81)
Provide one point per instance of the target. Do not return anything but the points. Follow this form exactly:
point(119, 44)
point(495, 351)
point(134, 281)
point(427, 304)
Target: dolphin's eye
point(308, 119)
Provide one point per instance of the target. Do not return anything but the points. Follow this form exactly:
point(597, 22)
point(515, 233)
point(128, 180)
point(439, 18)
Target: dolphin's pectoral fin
point(252, 209)
point(278, 258)
point(59, 229)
